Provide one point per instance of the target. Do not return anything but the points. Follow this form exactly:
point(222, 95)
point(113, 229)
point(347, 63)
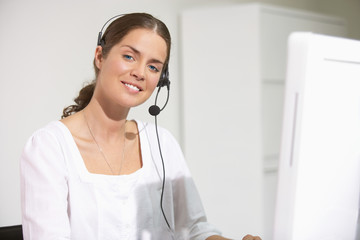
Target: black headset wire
point(161, 156)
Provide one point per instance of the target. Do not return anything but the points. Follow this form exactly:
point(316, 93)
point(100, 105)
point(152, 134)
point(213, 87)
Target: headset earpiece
point(164, 78)
point(100, 41)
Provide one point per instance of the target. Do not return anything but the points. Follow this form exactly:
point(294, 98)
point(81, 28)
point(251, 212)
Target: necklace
point(102, 152)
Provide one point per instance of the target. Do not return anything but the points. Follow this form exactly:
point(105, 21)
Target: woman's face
point(130, 72)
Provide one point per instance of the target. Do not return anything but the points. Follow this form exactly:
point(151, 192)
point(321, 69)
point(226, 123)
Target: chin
point(133, 104)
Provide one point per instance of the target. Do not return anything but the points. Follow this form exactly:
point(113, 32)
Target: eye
point(128, 57)
point(153, 68)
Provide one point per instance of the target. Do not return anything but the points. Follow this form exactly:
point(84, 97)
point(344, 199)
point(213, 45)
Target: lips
point(132, 87)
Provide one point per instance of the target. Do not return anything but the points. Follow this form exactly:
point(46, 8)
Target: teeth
point(132, 87)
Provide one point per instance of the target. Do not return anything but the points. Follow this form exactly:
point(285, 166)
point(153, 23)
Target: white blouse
point(61, 199)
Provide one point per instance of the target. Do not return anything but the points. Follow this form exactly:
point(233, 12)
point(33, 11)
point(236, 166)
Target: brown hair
point(116, 31)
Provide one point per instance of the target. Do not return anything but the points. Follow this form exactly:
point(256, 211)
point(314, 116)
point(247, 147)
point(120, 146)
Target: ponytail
point(81, 101)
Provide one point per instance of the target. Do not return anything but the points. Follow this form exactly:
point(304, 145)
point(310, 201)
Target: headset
point(154, 110)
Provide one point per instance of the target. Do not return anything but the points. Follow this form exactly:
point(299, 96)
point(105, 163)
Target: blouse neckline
point(88, 176)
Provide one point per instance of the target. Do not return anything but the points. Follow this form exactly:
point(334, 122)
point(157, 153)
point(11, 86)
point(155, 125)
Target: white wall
point(46, 52)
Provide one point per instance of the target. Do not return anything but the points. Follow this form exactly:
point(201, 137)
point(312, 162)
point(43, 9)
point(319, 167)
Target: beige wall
point(347, 9)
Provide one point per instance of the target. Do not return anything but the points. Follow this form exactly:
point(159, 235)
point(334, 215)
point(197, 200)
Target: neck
point(107, 123)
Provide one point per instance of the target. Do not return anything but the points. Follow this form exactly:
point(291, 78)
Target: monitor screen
point(319, 169)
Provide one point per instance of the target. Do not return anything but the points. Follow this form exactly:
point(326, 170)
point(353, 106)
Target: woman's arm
point(44, 189)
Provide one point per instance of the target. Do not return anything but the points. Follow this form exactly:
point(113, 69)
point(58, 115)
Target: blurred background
point(46, 53)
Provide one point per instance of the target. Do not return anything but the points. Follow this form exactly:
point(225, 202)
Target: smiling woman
point(112, 36)
point(131, 70)
point(94, 174)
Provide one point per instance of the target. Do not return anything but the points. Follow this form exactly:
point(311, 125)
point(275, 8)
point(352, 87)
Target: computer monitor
point(319, 167)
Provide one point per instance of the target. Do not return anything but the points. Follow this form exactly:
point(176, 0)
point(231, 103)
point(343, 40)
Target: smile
point(132, 87)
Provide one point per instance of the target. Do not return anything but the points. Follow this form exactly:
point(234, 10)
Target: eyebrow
point(154, 60)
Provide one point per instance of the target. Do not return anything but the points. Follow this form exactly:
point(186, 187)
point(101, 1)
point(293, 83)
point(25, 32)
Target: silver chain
point(102, 152)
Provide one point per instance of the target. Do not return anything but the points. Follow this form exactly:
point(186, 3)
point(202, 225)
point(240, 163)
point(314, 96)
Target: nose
point(138, 72)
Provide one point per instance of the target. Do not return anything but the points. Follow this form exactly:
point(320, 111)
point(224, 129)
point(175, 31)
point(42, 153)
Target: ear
point(98, 57)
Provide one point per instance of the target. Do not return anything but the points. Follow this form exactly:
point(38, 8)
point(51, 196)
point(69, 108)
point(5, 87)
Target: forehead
point(147, 42)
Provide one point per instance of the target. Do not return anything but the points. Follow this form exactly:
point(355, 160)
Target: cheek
point(114, 67)
point(153, 82)
point(120, 68)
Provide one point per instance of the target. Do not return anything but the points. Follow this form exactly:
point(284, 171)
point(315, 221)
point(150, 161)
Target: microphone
point(154, 110)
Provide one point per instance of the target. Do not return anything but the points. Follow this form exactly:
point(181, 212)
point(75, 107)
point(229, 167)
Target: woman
point(96, 175)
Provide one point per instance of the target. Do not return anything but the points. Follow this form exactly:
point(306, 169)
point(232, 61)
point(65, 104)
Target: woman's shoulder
point(55, 131)
point(53, 128)
point(152, 132)
point(73, 123)
point(152, 128)
point(48, 139)
point(52, 131)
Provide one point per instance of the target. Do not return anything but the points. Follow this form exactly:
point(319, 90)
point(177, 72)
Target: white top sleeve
point(44, 189)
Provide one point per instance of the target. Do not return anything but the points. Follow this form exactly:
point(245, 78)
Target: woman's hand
point(247, 237)
point(250, 237)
